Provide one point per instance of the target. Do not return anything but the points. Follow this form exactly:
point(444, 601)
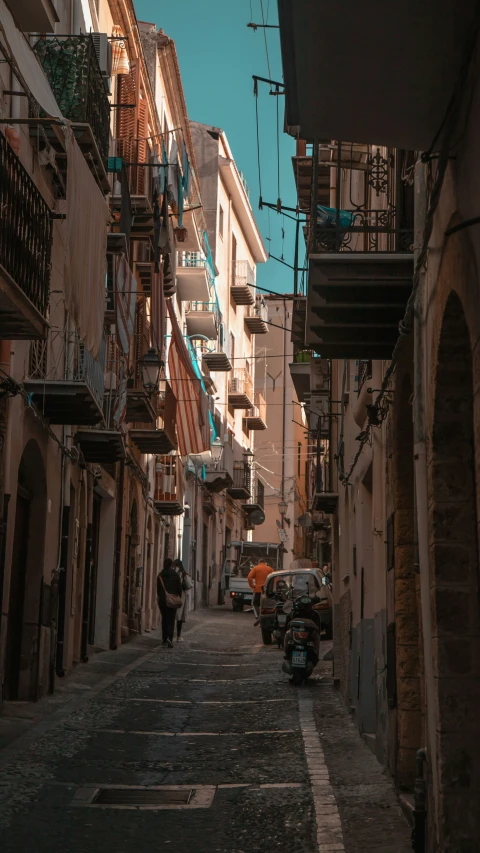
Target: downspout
point(421, 476)
point(4, 498)
point(118, 556)
point(62, 563)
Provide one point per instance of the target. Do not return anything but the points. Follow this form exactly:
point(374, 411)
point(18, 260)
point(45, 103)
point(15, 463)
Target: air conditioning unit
point(103, 49)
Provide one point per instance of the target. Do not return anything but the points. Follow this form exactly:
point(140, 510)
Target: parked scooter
point(302, 639)
point(281, 619)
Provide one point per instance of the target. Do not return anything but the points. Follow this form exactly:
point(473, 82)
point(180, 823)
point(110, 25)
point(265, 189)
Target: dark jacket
point(173, 585)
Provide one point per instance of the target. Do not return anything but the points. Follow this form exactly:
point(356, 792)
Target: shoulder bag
point(172, 601)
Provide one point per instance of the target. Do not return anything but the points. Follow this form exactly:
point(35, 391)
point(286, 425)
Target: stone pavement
point(234, 758)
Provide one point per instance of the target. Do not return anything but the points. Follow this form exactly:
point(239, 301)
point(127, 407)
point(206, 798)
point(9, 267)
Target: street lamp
point(248, 453)
point(152, 365)
point(216, 449)
point(283, 507)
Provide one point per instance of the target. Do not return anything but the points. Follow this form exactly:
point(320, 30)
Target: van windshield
point(299, 581)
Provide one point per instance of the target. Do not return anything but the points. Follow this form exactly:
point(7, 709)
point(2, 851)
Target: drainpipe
point(118, 556)
point(62, 567)
point(421, 477)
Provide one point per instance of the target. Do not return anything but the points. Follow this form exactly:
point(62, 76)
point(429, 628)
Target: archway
point(26, 579)
point(455, 590)
point(406, 696)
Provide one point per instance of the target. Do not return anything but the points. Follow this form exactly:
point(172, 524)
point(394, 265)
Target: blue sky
point(218, 55)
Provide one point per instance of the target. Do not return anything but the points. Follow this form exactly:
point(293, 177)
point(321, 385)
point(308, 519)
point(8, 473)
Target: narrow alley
point(226, 755)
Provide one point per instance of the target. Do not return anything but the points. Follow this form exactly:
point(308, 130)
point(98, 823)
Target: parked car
point(307, 580)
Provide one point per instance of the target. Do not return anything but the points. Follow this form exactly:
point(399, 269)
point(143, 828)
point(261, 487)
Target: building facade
point(117, 330)
point(392, 302)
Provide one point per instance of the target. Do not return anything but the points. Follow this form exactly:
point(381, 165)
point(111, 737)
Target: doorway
point(26, 579)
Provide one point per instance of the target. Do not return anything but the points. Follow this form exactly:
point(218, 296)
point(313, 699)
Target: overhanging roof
point(371, 71)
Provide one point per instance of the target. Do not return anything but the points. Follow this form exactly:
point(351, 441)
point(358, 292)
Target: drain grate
point(142, 797)
point(156, 797)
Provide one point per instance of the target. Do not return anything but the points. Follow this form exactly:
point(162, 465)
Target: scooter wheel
point(297, 679)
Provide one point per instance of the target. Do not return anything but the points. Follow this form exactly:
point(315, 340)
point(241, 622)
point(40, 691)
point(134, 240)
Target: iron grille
point(242, 476)
point(72, 69)
point(26, 229)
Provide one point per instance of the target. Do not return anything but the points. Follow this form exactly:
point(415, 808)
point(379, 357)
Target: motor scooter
point(302, 638)
point(281, 619)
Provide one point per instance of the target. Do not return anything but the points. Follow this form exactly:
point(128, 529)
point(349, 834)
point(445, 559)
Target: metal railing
point(371, 200)
point(259, 409)
point(64, 357)
point(242, 274)
point(242, 476)
point(191, 259)
point(241, 383)
point(200, 307)
point(259, 309)
point(25, 230)
point(71, 65)
point(165, 479)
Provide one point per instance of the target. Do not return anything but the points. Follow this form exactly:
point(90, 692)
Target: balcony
point(300, 373)
point(362, 71)
point(25, 249)
point(256, 317)
point(101, 446)
point(256, 417)
point(219, 474)
point(360, 256)
point(254, 509)
point(34, 16)
point(299, 317)
point(65, 381)
point(303, 169)
point(216, 355)
point(166, 499)
point(202, 320)
point(72, 69)
point(242, 481)
point(193, 279)
point(140, 408)
point(240, 390)
point(243, 283)
point(158, 439)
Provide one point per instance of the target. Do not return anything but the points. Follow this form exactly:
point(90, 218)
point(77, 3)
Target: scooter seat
point(303, 623)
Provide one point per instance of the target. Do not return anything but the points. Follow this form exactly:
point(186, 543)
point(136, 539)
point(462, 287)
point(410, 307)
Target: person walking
point(256, 579)
point(169, 596)
point(187, 584)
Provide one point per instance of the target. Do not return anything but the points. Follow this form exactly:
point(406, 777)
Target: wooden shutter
point(141, 134)
point(126, 122)
point(140, 348)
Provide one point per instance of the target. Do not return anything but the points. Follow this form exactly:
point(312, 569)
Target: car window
point(300, 583)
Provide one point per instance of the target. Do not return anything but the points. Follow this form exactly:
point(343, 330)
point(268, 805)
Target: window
point(220, 222)
point(234, 258)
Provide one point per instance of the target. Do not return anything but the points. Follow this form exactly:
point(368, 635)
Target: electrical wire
point(265, 38)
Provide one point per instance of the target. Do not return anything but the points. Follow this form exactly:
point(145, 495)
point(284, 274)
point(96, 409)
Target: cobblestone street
point(215, 715)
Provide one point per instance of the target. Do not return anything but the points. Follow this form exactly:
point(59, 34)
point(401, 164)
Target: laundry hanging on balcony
point(193, 427)
point(327, 217)
point(29, 68)
point(86, 248)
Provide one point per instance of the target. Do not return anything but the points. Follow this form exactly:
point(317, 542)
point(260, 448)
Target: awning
point(29, 68)
point(125, 300)
point(193, 427)
point(372, 71)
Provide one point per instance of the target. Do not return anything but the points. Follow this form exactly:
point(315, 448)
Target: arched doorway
point(455, 588)
point(26, 579)
point(406, 695)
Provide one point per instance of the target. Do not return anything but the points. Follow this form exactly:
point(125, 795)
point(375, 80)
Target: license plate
point(299, 659)
point(282, 619)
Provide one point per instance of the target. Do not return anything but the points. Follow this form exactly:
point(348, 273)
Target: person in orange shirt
point(256, 579)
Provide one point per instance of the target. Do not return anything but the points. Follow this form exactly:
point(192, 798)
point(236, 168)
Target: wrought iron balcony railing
point(63, 357)
point(243, 281)
point(73, 71)
point(371, 198)
point(240, 389)
point(26, 230)
point(191, 259)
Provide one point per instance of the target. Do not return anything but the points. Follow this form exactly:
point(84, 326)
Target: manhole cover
point(142, 797)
